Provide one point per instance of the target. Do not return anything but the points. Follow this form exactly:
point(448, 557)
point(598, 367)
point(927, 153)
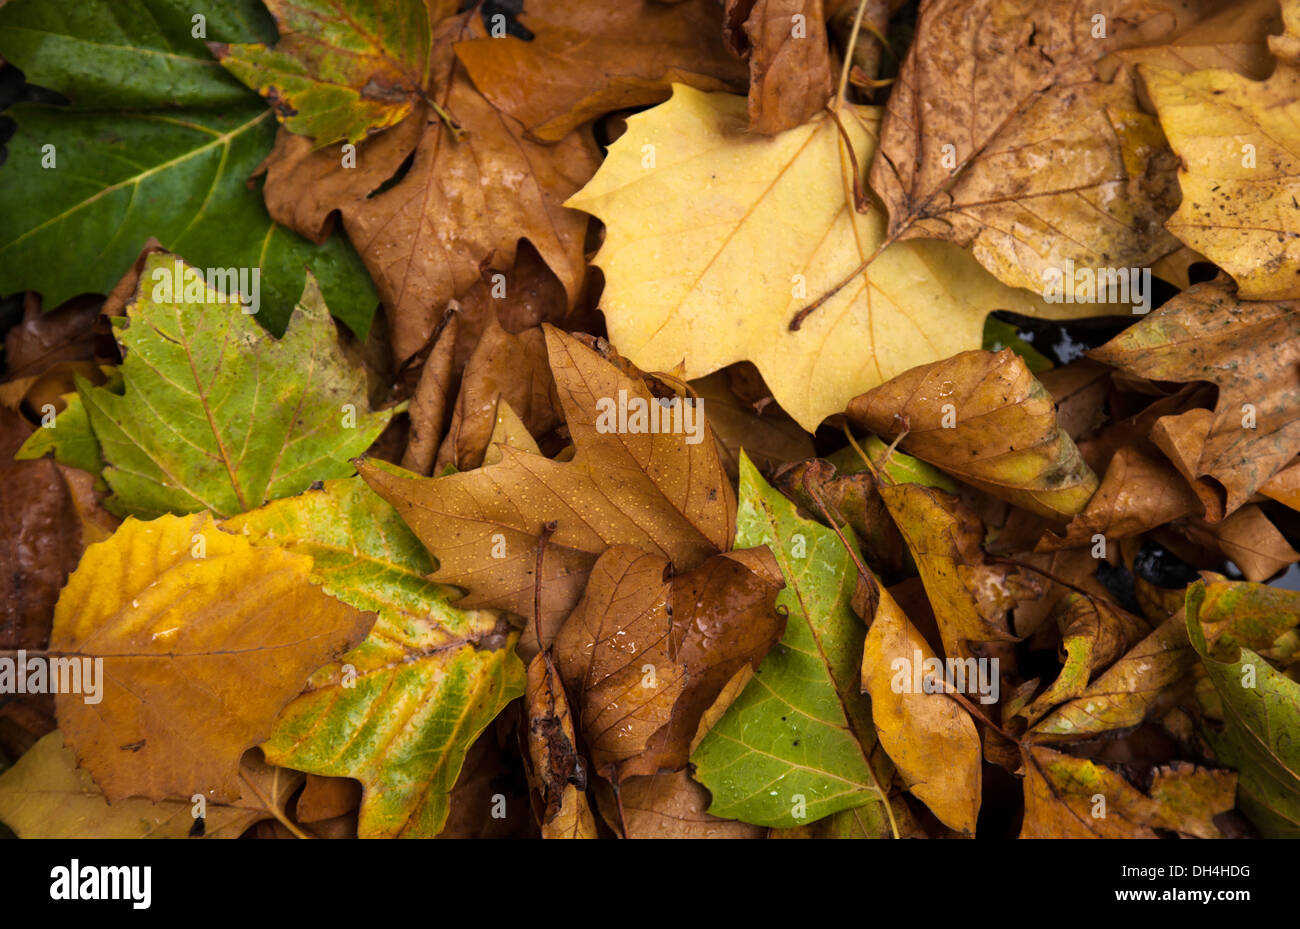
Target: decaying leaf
point(1067, 797)
point(342, 69)
point(1000, 136)
point(984, 418)
point(1235, 138)
point(557, 773)
point(1094, 633)
point(1208, 333)
point(647, 652)
point(668, 805)
point(399, 711)
point(543, 608)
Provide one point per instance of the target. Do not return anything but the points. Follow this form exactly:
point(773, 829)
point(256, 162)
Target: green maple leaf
point(158, 141)
point(801, 727)
point(343, 69)
point(219, 415)
point(423, 685)
point(1260, 735)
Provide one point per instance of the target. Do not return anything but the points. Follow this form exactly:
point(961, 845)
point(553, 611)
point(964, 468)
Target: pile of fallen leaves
point(637, 418)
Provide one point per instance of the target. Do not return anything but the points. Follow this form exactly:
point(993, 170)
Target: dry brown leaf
point(667, 805)
point(770, 437)
point(789, 58)
point(556, 772)
point(40, 539)
point(1136, 494)
point(647, 652)
point(1209, 334)
point(1233, 38)
point(430, 402)
point(649, 489)
point(1249, 539)
point(325, 798)
point(505, 367)
point(586, 60)
point(426, 232)
point(999, 136)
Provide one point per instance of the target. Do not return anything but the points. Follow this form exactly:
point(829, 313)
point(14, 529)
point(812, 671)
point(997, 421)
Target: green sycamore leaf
point(1260, 735)
point(427, 680)
point(158, 141)
point(343, 69)
point(219, 415)
point(799, 738)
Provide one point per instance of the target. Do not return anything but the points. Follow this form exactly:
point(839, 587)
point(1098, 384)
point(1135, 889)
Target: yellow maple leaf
point(715, 238)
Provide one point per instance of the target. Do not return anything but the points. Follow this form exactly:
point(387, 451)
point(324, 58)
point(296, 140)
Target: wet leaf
point(647, 652)
point(984, 418)
point(1001, 137)
point(342, 69)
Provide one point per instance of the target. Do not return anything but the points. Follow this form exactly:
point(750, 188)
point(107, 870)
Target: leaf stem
point(273, 809)
point(848, 54)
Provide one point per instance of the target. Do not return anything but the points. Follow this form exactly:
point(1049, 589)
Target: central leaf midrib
point(136, 180)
